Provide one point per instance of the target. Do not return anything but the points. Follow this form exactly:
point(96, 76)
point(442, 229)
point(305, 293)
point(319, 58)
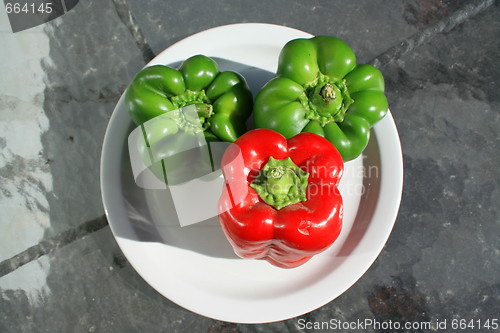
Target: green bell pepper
point(319, 88)
point(159, 89)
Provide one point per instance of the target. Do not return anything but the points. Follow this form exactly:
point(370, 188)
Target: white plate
point(195, 266)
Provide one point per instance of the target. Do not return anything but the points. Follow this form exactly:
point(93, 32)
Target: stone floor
point(60, 267)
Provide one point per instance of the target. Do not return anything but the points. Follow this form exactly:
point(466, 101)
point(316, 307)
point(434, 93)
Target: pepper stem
point(281, 183)
point(197, 113)
point(326, 99)
point(192, 118)
point(328, 93)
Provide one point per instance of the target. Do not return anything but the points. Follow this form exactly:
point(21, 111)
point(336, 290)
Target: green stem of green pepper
point(189, 97)
point(281, 183)
point(326, 99)
point(192, 121)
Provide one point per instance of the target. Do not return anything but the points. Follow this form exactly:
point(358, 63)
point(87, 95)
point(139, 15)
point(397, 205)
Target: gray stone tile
point(24, 175)
point(90, 287)
point(444, 247)
point(92, 59)
point(60, 82)
point(364, 26)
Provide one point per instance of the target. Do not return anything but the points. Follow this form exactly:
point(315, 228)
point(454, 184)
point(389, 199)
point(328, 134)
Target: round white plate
point(195, 266)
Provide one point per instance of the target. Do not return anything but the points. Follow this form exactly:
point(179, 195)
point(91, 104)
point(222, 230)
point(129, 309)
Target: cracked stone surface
point(61, 81)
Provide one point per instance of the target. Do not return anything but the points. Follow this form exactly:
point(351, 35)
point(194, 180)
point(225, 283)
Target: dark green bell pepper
point(159, 89)
point(319, 88)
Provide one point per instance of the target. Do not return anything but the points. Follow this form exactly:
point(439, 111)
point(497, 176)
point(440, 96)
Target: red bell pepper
point(280, 200)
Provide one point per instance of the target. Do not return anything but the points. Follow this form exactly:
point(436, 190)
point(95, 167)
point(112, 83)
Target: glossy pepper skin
point(319, 88)
point(159, 89)
point(304, 224)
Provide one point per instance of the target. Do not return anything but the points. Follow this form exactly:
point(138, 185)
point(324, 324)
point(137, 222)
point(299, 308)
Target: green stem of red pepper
point(326, 99)
point(281, 183)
